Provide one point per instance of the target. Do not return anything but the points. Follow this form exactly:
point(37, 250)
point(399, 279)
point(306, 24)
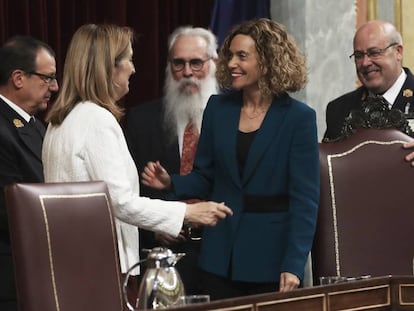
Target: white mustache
point(188, 81)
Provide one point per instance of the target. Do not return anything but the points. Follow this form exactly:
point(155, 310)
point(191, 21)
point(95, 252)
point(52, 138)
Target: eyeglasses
point(372, 53)
point(196, 64)
point(48, 79)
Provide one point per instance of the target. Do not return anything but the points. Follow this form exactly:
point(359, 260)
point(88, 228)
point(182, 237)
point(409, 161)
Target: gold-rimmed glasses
point(372, 53)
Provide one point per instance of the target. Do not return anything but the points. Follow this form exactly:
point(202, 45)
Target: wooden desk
point(379, 293)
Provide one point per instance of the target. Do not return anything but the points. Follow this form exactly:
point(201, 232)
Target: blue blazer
point(275, 201)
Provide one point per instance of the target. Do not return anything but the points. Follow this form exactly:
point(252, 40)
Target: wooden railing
point(379, 293)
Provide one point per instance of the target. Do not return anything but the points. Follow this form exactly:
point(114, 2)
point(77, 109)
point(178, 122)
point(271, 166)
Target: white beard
point(180, 107)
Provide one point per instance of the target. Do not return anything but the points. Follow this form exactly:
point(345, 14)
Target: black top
point(244, 140)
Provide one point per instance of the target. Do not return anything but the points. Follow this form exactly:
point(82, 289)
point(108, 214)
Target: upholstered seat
point(64, 247)
point(365, 223)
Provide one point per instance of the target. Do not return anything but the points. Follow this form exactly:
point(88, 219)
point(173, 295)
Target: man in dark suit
point(27, 81)
point(155, 130)
point(378, 54)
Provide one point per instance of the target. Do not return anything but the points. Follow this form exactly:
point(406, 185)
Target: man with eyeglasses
point(27, 81)
point(378, 54)
point(157, 130)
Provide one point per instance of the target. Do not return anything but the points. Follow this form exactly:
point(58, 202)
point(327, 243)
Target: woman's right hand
point(155, 176)
point(206, 213)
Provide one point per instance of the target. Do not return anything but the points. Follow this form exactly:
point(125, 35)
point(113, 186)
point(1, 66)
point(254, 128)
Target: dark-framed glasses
point(48, 79)
point(372, 53)
point(196, 64)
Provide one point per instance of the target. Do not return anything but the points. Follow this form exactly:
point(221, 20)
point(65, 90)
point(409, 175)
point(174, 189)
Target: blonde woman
point(84, 140)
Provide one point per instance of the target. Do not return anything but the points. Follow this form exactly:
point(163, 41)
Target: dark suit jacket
point(148, 140)
point(275, 201)
point(338, 109)
point(20, 161)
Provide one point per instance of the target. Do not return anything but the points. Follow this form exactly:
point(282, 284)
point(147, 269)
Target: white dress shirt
point(391, 94)
point(16, 108)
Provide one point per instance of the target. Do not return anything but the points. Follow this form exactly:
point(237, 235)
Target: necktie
point(190, 141)
point(382, 99)
point(32, 121)
point(378, 98)
point(40, 129)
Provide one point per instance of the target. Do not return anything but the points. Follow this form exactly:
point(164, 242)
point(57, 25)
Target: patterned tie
point(190, 141)
point(379, 99)
point(40, 129)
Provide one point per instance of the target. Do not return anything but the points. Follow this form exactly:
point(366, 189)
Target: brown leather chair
point(64, 247)
point(365, 224)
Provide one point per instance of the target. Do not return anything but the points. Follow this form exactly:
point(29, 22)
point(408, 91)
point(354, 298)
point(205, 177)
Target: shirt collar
point(16, 108)
point(391, 94)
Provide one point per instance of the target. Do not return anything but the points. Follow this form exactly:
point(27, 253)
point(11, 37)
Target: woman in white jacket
point(85, 142)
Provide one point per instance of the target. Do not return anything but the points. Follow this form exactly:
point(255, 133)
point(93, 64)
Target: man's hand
point(409, 157)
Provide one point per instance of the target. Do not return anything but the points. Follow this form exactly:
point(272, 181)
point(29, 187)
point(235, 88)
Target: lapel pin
point(408, 93)
point(18, 123)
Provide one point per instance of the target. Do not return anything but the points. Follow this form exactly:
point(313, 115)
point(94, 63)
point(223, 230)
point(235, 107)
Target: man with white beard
point(155, 130)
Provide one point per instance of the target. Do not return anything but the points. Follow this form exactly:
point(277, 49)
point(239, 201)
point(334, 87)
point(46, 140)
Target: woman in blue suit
point(258, 153)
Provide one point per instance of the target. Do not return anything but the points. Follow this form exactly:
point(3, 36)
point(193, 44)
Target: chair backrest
point(365, 223)
point(64, 247)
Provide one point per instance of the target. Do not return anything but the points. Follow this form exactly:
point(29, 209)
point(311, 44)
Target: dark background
point(55, 21)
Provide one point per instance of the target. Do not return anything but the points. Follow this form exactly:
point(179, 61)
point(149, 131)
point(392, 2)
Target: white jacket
point(90, 145)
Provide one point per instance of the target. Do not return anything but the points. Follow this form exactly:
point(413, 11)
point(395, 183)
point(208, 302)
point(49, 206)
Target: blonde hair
point(93, 53)
point(281, 65)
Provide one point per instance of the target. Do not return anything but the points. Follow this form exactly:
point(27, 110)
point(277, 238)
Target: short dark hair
point(19, 52)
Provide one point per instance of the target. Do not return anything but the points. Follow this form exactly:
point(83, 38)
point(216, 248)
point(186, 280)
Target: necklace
point(256, 112)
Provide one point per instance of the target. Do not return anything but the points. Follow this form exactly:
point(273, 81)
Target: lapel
point(172, 157)
point(27, 134)
point(266, 135)
point(405, 97)
point(40, 128)
point(228, 132)
point(169, 150)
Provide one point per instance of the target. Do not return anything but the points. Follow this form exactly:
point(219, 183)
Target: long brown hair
point(93, 53)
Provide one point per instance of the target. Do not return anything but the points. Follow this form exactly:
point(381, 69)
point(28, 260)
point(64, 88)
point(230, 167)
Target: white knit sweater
point(89, 145)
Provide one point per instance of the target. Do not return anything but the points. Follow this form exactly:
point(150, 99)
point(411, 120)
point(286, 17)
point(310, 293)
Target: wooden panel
point(406, 293)
point(384, 293)
point(249, 307)
point(308, 303)
point(360, 299)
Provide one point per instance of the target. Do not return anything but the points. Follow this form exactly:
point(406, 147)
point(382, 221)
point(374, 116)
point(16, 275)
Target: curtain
point(226, 13)
point(55, 21)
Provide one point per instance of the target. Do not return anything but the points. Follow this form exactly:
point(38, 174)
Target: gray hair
point(206, 34)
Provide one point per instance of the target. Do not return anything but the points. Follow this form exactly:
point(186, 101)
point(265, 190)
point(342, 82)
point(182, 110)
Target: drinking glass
point(325, 280)
point(191, 299)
